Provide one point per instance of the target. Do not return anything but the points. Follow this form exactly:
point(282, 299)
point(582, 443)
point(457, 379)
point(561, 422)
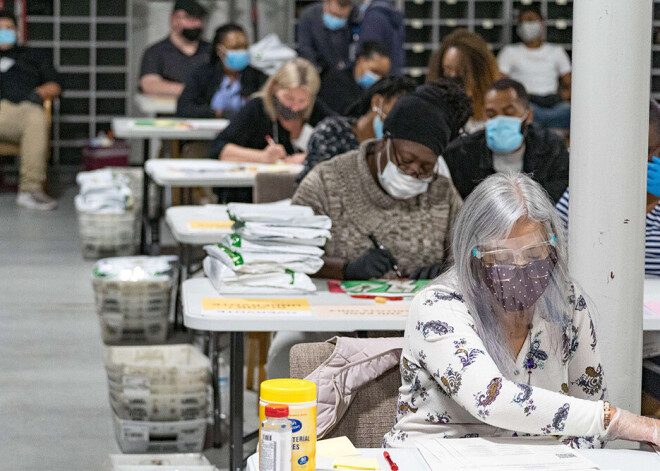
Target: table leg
point(154, 222)
point(185, 258)
point(145, 198)
point(236, 394)
point(214, 347)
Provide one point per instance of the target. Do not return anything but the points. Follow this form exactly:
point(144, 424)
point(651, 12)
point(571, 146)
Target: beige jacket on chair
point(353, 364)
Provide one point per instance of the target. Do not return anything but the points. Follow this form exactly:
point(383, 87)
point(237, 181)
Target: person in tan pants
point(26, 80)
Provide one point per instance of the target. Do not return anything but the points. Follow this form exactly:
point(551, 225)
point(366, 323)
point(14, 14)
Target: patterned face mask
point(518, 287)
point(286, 113)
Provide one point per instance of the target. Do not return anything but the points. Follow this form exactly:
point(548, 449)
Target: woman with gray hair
point(504, 343)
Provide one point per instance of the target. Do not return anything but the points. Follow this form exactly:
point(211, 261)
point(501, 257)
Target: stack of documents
point(104, 191)
point(273, 249)
point(482, 454)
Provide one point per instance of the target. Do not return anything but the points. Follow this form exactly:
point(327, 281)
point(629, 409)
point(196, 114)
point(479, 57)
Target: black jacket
point(195, 100)
point(251, 125)
point(338, 90)
point(319, 45)
point(31, 69)
point(546, 160)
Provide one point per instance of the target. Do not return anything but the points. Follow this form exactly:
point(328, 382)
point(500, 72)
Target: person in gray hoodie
point(380, 21)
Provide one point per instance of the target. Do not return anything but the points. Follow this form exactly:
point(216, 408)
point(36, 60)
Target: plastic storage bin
point(160, 437)
point(164, 369)
point(106, 235)
point(115, 155)
point(159, 407)
point(135, 297)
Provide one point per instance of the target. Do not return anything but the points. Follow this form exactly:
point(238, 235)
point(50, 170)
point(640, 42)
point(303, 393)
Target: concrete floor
point(54, 411)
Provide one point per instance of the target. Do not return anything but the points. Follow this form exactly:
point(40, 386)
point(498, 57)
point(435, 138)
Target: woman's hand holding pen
point(273, 152)
point(373, 263)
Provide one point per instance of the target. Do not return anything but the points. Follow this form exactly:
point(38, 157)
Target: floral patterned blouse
point(451, 387)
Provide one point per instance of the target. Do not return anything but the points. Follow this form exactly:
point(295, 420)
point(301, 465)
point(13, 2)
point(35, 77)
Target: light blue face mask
point(237, 60)
point(378, 127)
point(332, 22)
point(503, 133)
point(367, 79)
point(7, 36)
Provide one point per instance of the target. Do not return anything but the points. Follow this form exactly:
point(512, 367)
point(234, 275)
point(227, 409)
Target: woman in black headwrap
point(389, 190)
point(391, 211)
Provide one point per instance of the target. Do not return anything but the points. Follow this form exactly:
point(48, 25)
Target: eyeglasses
point(526, 254)
point(405, 169)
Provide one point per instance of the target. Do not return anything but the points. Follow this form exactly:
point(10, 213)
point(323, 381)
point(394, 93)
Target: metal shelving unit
point(89, 43)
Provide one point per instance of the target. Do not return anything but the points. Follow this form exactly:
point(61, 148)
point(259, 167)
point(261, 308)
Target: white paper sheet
point(502, 454)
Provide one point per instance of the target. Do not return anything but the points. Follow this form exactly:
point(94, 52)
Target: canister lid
point(288, 390)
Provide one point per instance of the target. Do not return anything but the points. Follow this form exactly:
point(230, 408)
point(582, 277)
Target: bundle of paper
point(227, 281)
point(252, 262)
point(103, 191)
point(280, 223)
point(501, 454)
point(272, 250)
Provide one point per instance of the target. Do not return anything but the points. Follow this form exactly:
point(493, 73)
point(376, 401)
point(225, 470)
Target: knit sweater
point(417, 230)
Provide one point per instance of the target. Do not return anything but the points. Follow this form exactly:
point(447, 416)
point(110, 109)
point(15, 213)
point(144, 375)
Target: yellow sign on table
point(244, 304)
point(211, 224)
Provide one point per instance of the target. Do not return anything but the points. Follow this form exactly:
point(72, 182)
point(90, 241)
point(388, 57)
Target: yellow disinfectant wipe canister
point(300, 396)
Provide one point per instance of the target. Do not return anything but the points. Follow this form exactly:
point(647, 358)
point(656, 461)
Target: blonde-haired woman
point(270, 127)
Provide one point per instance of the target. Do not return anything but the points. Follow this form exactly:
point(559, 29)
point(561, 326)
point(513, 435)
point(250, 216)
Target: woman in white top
point(504, 343)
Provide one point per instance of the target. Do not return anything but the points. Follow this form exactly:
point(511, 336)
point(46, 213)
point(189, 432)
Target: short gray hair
point(489, 213)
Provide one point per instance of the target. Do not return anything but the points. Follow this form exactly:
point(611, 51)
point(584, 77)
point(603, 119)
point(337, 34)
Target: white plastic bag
point(264, 262)
point(226, 281)
point(270, 53)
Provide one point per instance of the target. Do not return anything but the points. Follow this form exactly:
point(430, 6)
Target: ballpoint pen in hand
point(380, 246)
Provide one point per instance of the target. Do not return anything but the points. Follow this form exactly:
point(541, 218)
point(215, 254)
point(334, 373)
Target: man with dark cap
point(390, 211)
point(167, 64)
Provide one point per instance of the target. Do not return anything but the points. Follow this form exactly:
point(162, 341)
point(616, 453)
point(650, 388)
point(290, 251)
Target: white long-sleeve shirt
point(452, 387)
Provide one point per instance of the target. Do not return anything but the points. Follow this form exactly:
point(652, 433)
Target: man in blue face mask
point(342, 88)
point(27, 78)
point(324, 34)
point(510, 143)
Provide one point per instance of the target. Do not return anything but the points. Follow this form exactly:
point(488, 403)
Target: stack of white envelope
point(273, 249)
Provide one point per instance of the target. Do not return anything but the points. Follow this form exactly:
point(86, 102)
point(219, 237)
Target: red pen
point(393, 465)
point(270, 141)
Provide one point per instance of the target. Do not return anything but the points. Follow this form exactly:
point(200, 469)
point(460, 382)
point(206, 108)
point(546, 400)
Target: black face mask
point(285, 112)
point(192, 34)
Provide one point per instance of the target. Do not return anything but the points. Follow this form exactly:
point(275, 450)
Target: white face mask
point(529, 30)
point(396, 183)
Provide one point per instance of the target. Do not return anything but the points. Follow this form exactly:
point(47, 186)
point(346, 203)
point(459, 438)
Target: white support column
point(609, 133)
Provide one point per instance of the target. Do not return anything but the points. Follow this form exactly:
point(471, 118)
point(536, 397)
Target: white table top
point(179, 217)
point(168, 128)
point(153, 104)
point(194, 317)
point(187, 173)
point(196, 289)
point(409, 459)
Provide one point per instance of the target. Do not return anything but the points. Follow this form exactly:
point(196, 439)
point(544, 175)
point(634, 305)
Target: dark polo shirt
point(168, 61)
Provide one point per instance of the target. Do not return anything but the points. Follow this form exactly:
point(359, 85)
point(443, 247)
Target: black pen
point(380, 246)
